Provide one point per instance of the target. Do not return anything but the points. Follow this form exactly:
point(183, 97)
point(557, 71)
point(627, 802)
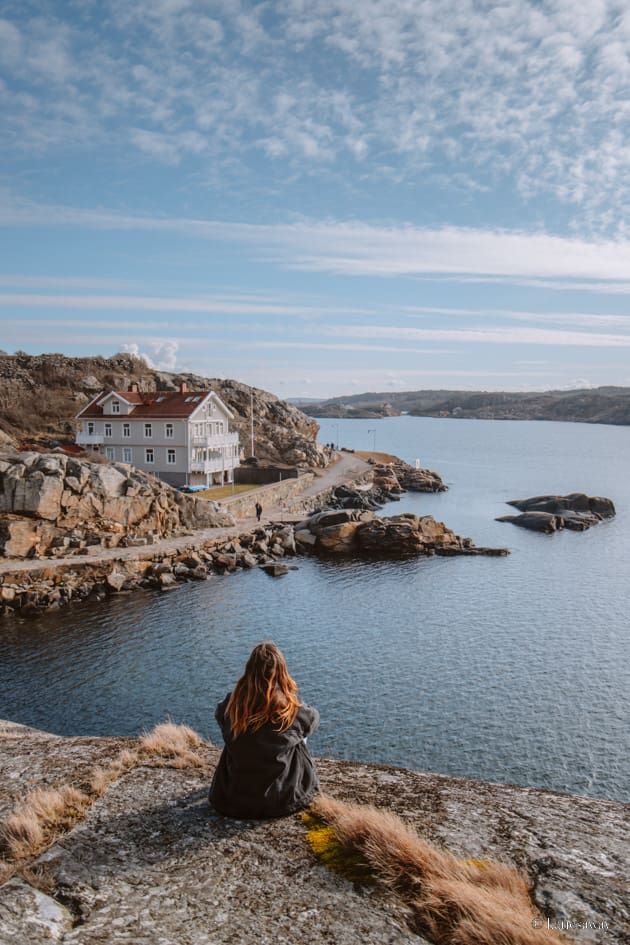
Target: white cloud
point(161, 356)
point(364, 249)
point(511, 335)
point(532, 95)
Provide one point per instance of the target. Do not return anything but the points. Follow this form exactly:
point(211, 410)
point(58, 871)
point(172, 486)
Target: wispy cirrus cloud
point(360, 249)
point(484, 335)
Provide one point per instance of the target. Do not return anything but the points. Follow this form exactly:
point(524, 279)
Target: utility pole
point(251, 417)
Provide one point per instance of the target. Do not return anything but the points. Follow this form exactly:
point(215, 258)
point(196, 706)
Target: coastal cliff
point(147, 860)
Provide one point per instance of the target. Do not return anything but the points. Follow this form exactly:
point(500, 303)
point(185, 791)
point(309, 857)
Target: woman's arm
point(219, 714)
point(309, 718)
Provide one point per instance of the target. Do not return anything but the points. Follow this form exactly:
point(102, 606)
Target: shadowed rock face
point(549, 513)
point(151, 863)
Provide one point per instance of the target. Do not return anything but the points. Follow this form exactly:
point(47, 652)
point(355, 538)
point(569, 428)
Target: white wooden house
point(182, 437)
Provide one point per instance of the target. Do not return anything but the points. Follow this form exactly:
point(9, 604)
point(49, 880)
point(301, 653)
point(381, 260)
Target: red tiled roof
point(156, 404)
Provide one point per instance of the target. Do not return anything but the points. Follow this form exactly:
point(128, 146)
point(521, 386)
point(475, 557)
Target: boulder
point(38, 495)
point(107, 480)
point(548, 513)
point(418, 480)
point(128, 511)
point(18, 537)
point(328, 518)
point(390, 537)
point(535, 521)
point(385, 478)
point(305, 538)
point(116, 580)
point(338, 539)
point(274, 569)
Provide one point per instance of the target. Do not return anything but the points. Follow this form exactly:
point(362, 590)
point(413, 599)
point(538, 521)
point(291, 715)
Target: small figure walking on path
point(258, 510)
point(265, 769)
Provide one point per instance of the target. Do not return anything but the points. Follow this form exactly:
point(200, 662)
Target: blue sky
point(320, 197)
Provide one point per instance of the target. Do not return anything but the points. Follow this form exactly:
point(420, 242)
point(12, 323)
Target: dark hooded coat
point(265, 773)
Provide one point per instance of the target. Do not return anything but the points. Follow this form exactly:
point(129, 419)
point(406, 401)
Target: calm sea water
point(509, 669)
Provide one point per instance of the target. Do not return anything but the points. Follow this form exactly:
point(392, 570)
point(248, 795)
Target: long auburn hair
point(264, 693)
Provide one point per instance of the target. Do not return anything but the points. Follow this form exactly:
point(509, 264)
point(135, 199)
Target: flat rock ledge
point(150, 863)
point(550, 513)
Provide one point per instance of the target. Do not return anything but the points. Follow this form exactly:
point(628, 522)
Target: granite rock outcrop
point(550, 513)
point(363, 534)
point(150, 862)
point(53, 504)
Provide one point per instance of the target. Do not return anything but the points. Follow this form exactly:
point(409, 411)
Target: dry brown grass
point(453, 902)
point(377, 457)
point(45, 813)
point(39, 817)
point(101, 778)
point(169, 740)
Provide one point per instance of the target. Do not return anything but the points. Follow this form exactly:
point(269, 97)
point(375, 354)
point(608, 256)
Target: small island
point(550, 513)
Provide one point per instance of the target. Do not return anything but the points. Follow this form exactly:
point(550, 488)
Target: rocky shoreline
point(74, 518)
point(33, 591)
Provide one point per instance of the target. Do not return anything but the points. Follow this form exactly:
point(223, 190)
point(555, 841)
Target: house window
point(148, 456)
point(148, 432)
point(108, 429)
point(115, 406)
point(126, 430)
point(90, 427)
point(170, 457)
point(109, 452)
point(168, 431)
point(127, 454)
point(199, 429)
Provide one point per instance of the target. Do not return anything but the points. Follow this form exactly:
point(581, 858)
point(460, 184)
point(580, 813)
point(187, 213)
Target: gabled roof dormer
point(115, 403)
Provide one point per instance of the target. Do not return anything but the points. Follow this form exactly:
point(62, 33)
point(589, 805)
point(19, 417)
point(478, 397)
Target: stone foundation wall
point(34, 591)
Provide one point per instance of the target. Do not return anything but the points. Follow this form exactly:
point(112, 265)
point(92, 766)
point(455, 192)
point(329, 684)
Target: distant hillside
point(41, 394)
point(598, 405)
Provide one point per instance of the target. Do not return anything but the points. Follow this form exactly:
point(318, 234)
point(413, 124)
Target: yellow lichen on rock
point(338, 857)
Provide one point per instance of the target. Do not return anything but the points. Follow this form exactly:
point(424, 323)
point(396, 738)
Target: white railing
point(209, 465)
point(215, 442)
point(90, 439)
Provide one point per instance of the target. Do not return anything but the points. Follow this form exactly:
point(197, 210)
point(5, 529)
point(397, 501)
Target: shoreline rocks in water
point(361, 533)
point(50, 587)
point(550, 513)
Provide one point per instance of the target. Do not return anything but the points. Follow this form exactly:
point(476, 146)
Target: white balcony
point(211, 465)
point(215, 442)
point(90, 439)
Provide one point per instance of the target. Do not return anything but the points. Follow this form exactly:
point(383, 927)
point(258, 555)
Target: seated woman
point(265, 769)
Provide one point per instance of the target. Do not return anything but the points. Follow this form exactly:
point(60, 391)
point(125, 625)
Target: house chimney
point(133, 389)
point(183, 387)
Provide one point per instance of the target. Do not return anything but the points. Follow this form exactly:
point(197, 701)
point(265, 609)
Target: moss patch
point(334, 855)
